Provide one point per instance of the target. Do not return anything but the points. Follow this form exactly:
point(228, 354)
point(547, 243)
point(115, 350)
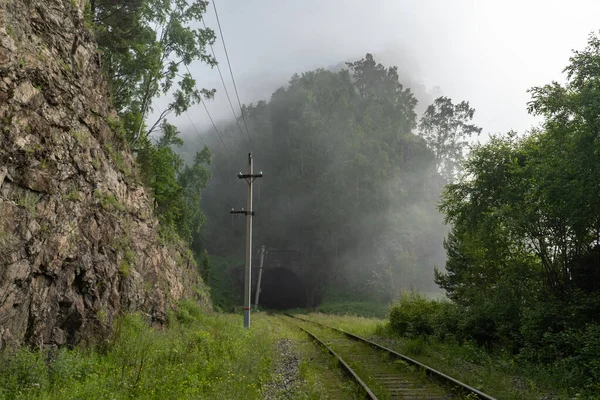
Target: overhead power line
point(211, 120)
point(202, 141)
point(231, 72)
point(212, 50)
point(216, 129)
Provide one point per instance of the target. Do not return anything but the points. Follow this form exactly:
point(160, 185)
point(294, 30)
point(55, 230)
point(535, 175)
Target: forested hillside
point(348, 182)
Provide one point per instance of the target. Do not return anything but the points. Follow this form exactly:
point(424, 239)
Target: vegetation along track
point(382, 372)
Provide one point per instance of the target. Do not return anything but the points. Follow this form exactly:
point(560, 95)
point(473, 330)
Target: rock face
point(78, 241)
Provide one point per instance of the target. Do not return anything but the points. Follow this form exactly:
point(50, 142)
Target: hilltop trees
point(445, 128)
point(349, 185)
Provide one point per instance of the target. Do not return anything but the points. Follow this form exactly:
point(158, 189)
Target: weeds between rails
point(389, 374)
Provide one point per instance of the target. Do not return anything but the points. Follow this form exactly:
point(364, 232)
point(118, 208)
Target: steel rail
point(369, 394)
point(440, 376)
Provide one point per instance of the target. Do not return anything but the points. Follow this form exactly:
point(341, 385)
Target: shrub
point(414, 315)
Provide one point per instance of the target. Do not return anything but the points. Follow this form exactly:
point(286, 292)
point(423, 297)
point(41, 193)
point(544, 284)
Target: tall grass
point(197, 357)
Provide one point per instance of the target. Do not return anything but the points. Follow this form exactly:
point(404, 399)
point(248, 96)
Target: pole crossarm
point(250, 177)
point(243, 212)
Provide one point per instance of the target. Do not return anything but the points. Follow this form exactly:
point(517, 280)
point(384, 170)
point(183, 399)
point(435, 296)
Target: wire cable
point(231, 72)
point(211, 120)
point(201, 139)
point(212, 50)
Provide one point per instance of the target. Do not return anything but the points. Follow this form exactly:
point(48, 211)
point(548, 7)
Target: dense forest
point(353, 174)
point(348, 184)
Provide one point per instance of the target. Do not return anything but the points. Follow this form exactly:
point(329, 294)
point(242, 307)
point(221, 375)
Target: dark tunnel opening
point(282, 289)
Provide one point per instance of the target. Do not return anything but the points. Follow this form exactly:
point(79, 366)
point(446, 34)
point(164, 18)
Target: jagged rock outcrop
point(78, 241)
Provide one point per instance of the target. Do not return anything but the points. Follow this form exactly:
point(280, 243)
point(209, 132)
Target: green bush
point(415, 315)
point(188, 311)
point(575, 351)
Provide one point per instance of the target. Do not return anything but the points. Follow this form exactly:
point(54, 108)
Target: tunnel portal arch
point(282, 289)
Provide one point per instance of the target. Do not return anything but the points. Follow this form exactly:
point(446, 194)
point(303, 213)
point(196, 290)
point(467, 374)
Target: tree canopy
point(524, 252)
point(347, 182)
point(144, 46)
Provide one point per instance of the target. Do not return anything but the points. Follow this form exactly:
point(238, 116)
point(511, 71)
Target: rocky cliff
point(78, 241)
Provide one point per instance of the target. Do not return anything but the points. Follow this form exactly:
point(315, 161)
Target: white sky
point(487, 52)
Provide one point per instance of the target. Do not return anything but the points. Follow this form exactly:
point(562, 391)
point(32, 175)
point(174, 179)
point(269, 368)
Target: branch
point(160, 118)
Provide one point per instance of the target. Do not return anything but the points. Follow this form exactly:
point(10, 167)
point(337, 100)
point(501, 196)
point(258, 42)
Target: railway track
point(383, 373)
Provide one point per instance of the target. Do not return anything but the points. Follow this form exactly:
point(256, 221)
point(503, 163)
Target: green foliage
point(127, 262)
point(81, 137)
point(524, 253)
point(364, 308)
point(414, 315)
point(337, 300)
point(109, 201)
point(223, 290)
point(96, 164)
point(116, 125)
point(346, 139)
point(205, 273)
point(29, 201)
point(74, 195)
point(117, 156)
point(176, 188)
point(197, 356)
point(188, 311)
point(445, 127)
point(23, 372)
point(143, 46)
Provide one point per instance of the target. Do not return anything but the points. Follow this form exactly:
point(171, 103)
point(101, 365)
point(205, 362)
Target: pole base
point(246, 318)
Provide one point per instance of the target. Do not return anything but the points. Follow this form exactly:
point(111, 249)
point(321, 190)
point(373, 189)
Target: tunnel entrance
point(282, 289)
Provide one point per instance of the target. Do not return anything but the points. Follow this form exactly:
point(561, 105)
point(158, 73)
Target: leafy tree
point(524, 253)
point(144, 44)
point(445, 127)
point(348, 184)
point(569, 165)
point(490, 270)
point(176, 188)
point(193, 179)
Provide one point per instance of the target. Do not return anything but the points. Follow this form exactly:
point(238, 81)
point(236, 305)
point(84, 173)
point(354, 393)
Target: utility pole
point(249, 177)
point(260, 269)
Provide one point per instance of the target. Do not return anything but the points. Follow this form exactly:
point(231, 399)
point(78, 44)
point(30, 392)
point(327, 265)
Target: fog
point(486, 52)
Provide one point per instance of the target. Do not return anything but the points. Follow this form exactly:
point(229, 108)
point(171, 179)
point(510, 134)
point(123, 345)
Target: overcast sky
point(487, 52)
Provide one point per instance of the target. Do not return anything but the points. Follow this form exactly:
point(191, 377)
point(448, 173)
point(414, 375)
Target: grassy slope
point(497, 375)
point(199, 356)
